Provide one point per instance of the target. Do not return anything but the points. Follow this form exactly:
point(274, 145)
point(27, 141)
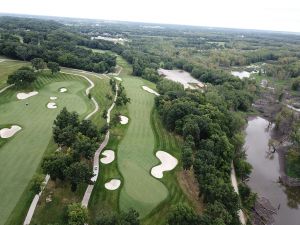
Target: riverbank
point(267, 168)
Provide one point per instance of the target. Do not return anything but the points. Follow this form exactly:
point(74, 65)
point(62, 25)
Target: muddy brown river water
point(265, 174)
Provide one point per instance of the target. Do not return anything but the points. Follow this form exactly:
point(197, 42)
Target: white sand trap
point(53, 98)
point(113, 184)
point(62, 90)
point(150, 90)
point(9, 132)
point(109, 156)
point(241, 75)
point(168, 162)
point(123, 120)
point(181, 76)
point(51, 105)
point(118, 78)
point(23, 96)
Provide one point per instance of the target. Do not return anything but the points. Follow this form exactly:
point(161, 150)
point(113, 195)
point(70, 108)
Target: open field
point(20, 156)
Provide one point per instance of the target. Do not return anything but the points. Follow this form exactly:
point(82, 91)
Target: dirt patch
point(189, 185)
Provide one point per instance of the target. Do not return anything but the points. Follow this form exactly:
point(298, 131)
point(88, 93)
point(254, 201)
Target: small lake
point(182, 77)
point(265, 174)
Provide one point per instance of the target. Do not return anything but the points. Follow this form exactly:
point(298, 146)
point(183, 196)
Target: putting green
point(135, 153)
point(21, 155)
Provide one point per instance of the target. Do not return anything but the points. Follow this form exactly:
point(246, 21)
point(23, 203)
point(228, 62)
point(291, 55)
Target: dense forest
point(30, 38)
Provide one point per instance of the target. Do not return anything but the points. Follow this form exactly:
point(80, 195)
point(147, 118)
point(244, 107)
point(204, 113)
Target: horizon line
point(157, 23)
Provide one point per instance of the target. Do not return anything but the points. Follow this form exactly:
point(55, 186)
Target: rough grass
point(7, 67)
point(21, 155)
point(55, 211)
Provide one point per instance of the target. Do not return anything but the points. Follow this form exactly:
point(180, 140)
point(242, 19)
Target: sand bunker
point(53, 98)
point(23, 96)
point(113, 184)
point(181, 76)
point(109, 156)
point(168, 162)
point(150, 90)
point(123, 120)
point(62, 90)
point(9, 132)
point(51, 105)
point(118, 78)
point(241, 75)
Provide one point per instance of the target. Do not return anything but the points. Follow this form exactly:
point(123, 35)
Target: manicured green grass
point(7, 67)
point(135, 147)
point(61, 193)
point(103, 199)
point(18, 214)
point(21, 155)
point(141, 116)
point(135, 153)
point(170, 143)
point(100, 92)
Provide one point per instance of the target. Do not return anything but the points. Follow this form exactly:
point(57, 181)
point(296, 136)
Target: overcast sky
point(280, 15)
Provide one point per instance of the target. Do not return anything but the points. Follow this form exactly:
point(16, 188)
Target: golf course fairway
point(21, 154)
point(136, 153)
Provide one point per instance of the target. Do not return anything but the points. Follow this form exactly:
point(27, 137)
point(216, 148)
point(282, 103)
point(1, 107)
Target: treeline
point(78, 143)
point(212, 140)
point(54, 44)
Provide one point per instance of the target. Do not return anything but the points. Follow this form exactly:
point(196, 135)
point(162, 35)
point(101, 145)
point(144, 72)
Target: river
point(265, 174)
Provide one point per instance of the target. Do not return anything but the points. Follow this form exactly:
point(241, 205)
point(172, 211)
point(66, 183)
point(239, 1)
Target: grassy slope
point(104, 200)
point(20, 157)
point(7, 67)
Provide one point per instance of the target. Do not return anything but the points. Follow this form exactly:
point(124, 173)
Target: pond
point(182, 77)
point(266, 171)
